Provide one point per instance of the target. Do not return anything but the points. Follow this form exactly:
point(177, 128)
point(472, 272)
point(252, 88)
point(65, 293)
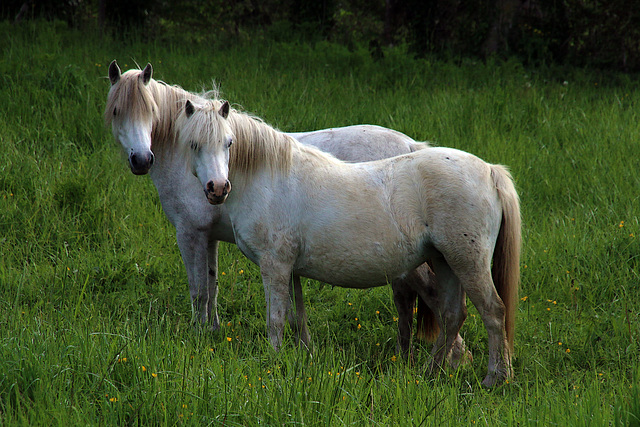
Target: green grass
point(94, 307)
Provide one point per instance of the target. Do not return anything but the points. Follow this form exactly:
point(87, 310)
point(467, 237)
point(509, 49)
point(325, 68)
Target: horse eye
point(230, 142)
point(115, 112)
point(194, 145)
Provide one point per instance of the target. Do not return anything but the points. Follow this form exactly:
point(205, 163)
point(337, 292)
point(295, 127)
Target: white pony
point(297, 210)
point(141, 112)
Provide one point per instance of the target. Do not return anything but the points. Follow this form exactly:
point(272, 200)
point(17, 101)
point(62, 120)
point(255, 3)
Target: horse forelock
point(131, 98)
point(205, 128)
point(156, 101)
point(256, 145)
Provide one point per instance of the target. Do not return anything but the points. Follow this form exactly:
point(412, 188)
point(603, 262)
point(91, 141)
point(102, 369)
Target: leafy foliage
point(596, 33)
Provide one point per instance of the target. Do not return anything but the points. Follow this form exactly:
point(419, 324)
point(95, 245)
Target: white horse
point(141, 112)
point(297, 210)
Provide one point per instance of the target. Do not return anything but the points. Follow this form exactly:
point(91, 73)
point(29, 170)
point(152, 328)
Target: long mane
point(156, 101)
point(258, 145)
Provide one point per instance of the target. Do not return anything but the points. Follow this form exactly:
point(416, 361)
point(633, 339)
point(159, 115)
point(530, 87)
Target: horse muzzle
point(140, 163)
point(217, 192)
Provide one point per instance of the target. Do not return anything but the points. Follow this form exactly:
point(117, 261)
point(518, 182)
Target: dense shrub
point(600, 33)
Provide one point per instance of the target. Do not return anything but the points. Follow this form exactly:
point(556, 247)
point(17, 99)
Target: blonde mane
point(257, 144)
point(156, 101)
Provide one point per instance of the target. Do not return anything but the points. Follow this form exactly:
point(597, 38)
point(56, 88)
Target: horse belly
point(353, 238)
point(360, 266)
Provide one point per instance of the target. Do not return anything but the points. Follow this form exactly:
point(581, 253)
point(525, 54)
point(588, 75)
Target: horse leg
point(404, 298)
point(478, 283)
point(298, 315)
point(193, 248)
point(492, 312)
point(459, 355)
point(431, 309)
point(212, 254)
point(442, 301)
point(448, 301)
point(276, 277)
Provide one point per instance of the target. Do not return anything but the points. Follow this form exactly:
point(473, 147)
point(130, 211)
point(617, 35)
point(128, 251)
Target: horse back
point(360, 143)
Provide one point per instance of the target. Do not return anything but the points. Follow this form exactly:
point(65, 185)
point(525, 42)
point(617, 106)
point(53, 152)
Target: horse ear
point(224, 109)
point(114, 72)
point(146, 73)
point(189, 109)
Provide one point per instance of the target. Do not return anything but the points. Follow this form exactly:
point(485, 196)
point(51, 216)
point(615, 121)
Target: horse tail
point(506, 254)
point(427, 327)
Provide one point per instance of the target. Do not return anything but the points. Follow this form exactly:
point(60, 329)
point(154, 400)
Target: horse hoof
point(489, 381)
point(458, 360)
point(493, 379)
point(215, 326)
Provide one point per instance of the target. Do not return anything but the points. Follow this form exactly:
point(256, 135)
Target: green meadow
point(95, 316)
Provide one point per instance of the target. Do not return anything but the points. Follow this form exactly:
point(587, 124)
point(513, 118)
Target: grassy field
point(94, 306)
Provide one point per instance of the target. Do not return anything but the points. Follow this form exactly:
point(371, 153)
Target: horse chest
point(183, 201)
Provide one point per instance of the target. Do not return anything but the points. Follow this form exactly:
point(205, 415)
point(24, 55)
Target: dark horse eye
point(194, 145)
point(115, 111)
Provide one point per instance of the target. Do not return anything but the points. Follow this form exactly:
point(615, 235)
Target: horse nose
point(218, 190)
point(140, 163)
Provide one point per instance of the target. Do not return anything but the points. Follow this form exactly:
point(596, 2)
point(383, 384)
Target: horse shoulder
point(264, 216)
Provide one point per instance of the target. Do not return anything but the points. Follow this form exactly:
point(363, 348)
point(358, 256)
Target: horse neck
point(255, 131)
point(258, 146)
point(248, 129)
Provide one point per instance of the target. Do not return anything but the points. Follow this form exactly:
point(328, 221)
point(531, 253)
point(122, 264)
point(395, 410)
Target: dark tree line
point(600, 33)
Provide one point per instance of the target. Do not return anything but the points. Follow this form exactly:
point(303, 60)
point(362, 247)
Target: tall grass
point(94, 308)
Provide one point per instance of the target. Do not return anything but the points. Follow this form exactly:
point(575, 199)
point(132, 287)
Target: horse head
point(131, 111)
point(205, 137)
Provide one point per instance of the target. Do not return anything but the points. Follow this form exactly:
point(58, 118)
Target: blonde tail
point(506, 255)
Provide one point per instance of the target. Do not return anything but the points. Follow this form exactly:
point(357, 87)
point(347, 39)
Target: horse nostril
point(138, 160)
point(140, 163)
point(217, 190)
